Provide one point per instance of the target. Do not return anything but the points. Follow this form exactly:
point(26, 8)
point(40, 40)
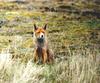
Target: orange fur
point(42, 53)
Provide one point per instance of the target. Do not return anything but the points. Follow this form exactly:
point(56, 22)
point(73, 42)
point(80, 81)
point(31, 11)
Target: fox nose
point(42, 36)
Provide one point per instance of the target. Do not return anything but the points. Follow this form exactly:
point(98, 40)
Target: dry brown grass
point(75, 43)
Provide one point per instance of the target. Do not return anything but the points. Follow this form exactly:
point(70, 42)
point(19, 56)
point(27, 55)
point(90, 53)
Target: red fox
point(42, 53)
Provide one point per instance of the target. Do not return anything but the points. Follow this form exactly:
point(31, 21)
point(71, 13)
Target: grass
point(75, 43)
point(78, 68)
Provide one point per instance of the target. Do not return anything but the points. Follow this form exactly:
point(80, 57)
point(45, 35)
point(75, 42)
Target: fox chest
point(40, 52)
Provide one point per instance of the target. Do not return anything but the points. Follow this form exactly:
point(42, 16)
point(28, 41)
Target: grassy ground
point(75, 42)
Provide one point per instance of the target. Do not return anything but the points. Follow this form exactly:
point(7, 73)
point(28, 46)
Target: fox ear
point(45, 26)
point(35, 27)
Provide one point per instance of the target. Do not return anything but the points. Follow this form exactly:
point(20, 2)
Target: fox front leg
point(35, 56)
point(44, 56)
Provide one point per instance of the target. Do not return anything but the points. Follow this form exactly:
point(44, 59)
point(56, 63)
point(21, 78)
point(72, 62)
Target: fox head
point(40, 33)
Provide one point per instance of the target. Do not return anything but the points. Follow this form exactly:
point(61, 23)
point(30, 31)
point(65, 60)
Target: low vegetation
point(75, 40)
